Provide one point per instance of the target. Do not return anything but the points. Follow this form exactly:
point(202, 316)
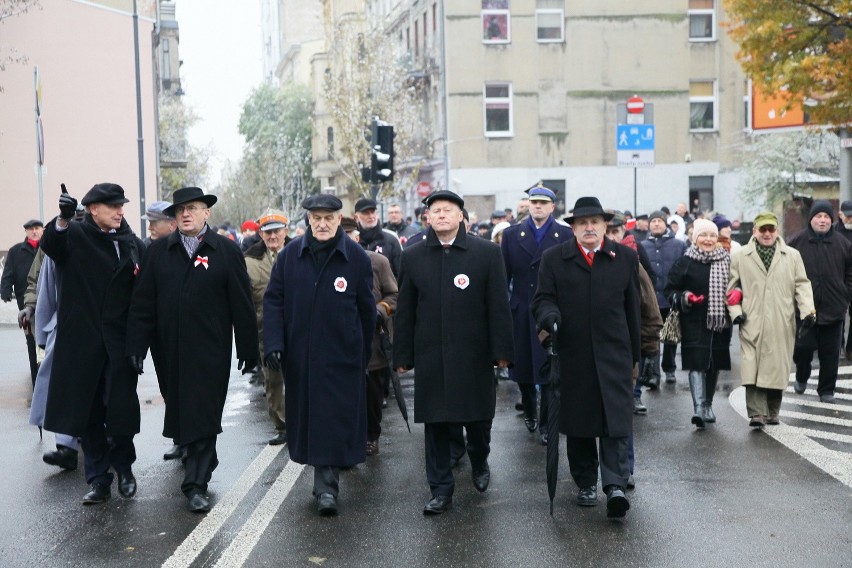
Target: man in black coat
point(844, 227)
point(92, 392)
point(451, 285)
point(828, 264)
point(522, 246)
point(19, 259)
point(592, 285)
point(319, 317)
point(193, 295)
point(373, 237)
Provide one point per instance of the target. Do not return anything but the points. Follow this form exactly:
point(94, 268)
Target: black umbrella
point(551, 368)
point(387, 350)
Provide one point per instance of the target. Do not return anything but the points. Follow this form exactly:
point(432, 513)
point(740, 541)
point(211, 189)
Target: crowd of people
point(329, 316)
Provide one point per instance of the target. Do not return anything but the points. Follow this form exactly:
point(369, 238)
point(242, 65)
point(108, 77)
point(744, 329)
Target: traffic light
point(381, 162)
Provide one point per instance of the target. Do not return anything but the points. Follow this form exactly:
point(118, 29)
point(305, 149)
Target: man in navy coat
point(523, 245)
point(318, 320)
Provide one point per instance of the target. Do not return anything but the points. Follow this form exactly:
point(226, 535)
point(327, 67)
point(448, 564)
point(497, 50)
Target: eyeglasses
point(191, 208)
point(767, 229)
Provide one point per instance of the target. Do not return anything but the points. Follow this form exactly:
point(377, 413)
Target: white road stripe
point(810, 433)
point(190, 548)
point(240, 548)
point(823, 405)
point(834, 463)
point(816, 418)
point(837, 395)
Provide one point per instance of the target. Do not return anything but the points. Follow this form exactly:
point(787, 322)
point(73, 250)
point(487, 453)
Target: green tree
point(803, 46)
point(275, 169)
point(181, 164)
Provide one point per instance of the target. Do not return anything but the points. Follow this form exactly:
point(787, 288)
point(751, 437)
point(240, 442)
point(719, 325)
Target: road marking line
point(824, 405)
point(240, 548)
point(816, 418)
point(837, 395)
point(810, 433)
point(191, 547)
point(834, 463)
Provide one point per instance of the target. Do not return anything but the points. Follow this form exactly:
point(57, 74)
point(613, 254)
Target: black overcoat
point(522, 256)
point(699, 345)
point(323, 321)
point(453, 324)
point(19, 259)
point(599, 340)
point(188, 312)
point(93, 303)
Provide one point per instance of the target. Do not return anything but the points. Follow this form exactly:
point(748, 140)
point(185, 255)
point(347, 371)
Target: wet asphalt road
point(725, 496)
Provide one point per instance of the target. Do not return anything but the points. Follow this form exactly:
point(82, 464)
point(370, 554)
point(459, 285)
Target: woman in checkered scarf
point(696, 287)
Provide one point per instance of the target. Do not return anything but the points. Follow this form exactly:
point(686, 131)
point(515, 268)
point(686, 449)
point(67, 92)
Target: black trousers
point(669, 349)
point(528, 399)
point(201, 460)
point(376, 381)
point(583, 461)
point(326, 479)
point(439, 437)
point(825, 340)
point(100, 452)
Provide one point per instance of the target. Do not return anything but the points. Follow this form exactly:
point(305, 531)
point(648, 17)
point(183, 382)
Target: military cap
point(765, 218)
point(272, 219)
point(540, 192)
point(107, 193)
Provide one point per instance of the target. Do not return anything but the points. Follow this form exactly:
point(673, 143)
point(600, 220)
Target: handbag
point(671, 328)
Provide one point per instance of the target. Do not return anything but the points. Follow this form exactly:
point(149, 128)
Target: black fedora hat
point(187, 194)
point(586, 207)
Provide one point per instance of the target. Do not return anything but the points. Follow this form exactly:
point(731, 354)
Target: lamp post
point(139, 139)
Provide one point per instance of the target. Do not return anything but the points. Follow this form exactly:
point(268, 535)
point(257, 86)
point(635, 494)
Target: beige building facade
point(531, 89)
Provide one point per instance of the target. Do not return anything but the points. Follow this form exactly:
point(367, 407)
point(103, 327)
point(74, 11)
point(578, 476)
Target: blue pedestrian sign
point(634, 145)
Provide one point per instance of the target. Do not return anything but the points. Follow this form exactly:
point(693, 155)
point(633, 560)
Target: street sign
point(424, 188)
point(635, 104)
point(635, 145)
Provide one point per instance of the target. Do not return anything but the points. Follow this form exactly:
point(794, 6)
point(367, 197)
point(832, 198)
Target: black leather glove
point(739, 319)
point(67, 204)
point(381, 316)
point(549, 320)
point(246, 365)
point(273, 360)
point(25, 316)
point(807, 323)
point(136, 361)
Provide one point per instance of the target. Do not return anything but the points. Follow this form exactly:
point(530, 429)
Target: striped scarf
point(720, 266)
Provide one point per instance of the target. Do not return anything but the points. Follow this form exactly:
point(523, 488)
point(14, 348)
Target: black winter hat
point(821, 206)
point(108, 193)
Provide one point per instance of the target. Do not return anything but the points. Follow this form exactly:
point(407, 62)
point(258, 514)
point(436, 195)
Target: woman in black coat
point(696, 287)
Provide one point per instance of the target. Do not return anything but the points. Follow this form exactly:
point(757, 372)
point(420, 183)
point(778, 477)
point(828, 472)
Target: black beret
point(364, 204)
point(108, 193)
point(445, 195)
point(322, 201)
point(33, 223)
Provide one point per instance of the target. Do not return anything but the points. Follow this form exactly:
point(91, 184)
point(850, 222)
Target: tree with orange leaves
point(801, 46)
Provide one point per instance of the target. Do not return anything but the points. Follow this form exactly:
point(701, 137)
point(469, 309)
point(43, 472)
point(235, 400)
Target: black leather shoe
point(531, 424)
point(653, 383)
point(481, 477)
point(326, 504)
point(63, 457)
point(279, 439)
point(616, 503)
point(587, 496)
point(126, 485)
point(99, 493)
point(438, 505)
point(173, 454)
point(199, 503)
point(519, 406)
point(543, 438)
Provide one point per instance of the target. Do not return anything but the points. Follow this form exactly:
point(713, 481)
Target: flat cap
point(446, 195)
point(322, 201)
point(107, 193)
point(846, 207)
point(765, 218)
point(156, 211)
point(617, 220)
point(365, 204)
point(348, 224)
point(33, 223)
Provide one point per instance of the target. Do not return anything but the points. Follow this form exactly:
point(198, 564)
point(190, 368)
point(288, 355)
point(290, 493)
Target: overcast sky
point(221, 47)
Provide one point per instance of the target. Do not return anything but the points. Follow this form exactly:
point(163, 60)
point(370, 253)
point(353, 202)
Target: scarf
point(321, 250)
point(720, 266)
point(765, 253)
point(191, 244)
point(124, 234)
point(32, 243)
point(539, 234)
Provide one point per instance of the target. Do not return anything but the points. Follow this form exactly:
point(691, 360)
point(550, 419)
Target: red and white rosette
point(461, 281)
point(340, 284)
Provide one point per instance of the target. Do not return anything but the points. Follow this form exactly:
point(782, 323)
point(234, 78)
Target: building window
point(559, 186)
point(434, 18)
point(747, 106)
point(702, 105)
point(425, 27)
point(700, 193)
point(702, 20)
point(495, 21)
point(549, 21)
point(166, 72)
point(498, 109)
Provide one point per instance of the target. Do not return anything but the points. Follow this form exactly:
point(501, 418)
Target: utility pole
point(139, 139)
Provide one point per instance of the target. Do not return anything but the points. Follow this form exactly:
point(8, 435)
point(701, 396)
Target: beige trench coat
point(769, 302)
